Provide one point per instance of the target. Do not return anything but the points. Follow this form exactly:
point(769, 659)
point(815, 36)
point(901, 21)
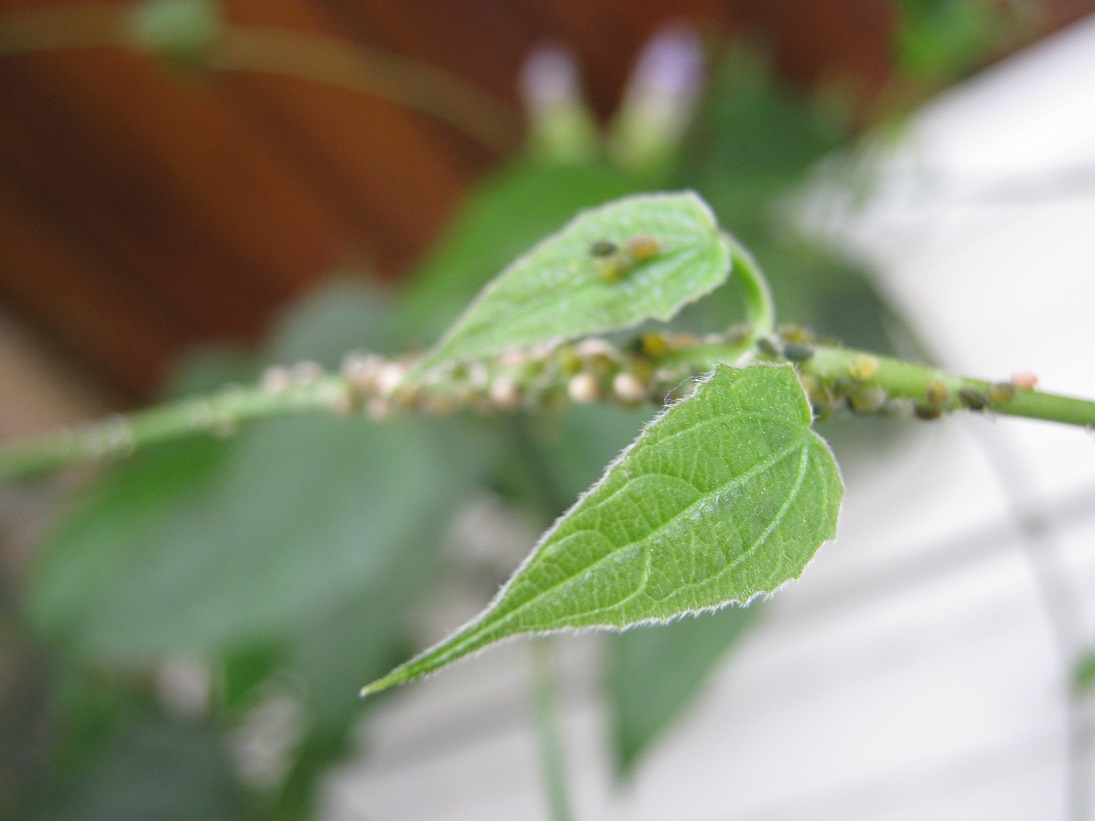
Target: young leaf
point(725, 496)
point(582, 280)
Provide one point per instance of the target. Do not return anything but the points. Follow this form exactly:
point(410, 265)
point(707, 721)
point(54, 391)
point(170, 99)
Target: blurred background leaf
point(653, 676)
point(301, 546)
point(149, 767)
point(939, 40)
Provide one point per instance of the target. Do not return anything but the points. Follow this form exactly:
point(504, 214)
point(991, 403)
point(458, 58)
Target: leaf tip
point(374, 687)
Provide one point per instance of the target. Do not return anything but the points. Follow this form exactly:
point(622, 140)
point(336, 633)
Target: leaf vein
point(736, 481)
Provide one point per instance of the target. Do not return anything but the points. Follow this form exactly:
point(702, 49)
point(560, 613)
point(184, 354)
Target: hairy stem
point(587, 371)
point(217, 414)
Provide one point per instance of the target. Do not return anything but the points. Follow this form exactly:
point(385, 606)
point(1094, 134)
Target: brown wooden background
point(144, 209)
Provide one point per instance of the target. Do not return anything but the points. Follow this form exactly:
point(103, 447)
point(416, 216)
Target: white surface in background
point(913, 673)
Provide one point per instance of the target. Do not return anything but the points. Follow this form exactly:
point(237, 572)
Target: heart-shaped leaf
point(724, 496)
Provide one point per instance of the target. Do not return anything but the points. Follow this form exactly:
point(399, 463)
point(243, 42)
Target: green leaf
point(561, 290)
point(724, 497)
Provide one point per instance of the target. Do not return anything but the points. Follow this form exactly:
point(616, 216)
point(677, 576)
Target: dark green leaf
point(151, 768)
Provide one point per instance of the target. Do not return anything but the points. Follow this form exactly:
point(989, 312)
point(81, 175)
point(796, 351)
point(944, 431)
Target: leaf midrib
point(737, 480)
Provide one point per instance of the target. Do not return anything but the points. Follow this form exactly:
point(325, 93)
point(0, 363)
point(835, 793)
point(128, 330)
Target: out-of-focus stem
point(590, 370)
point(546, 709)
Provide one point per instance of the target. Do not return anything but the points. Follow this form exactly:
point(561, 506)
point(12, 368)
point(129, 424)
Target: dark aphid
point(925, 413)
point(797, 352)
point(603, 248)
point(767, 346)
point(643, 247)
point(1001, 393)
point(937, 394)
point(974, 400)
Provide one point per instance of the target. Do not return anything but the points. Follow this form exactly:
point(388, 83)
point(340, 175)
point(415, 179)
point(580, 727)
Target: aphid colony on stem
point(590, 370)
point(853, 386)
point(651, 368)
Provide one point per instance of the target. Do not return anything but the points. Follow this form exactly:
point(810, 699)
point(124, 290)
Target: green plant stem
point(836, 372)
point(546, 711)
point(760, 308)
point(907, 380)
point(220, 413)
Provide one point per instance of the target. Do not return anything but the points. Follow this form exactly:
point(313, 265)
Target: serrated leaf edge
point(467, 629)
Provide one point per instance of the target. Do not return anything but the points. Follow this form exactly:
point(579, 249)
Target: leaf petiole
point(760, 309)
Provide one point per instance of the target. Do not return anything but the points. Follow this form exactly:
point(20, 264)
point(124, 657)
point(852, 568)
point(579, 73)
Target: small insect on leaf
point(557, 291)
point(643, 247)
point(613, 268)
point(603, 248)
